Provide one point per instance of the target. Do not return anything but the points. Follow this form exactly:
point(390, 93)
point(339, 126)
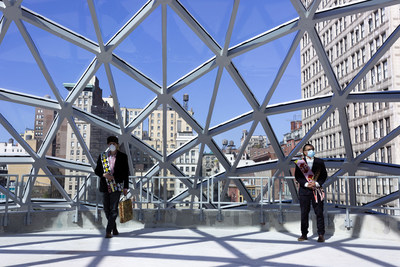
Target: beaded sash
point(111, 184)
point(309, 175)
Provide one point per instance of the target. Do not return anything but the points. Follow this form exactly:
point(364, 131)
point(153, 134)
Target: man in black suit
point(311, 174)
point(113, 170)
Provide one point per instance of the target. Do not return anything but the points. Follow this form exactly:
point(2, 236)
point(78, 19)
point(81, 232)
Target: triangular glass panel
point(73, 15)
point(143, 47)
point(213, 15)
point(210, 163)
point(131, 94)
point(260, 66)
point(229, 143)
point(16, 61)
point(178, 131)
point(256, 17)
point(288, 131)
point(64, 61)
point(230, 102)
point(23, 120)
point(197, 96)
point(256, 145)
point(112, 16)
point(185, 50)
point(142, 161)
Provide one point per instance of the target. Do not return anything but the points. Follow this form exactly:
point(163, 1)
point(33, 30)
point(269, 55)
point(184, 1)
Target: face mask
point(112, 148)
point(310, 153)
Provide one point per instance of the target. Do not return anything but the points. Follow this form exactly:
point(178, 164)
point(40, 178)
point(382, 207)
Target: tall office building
point(177, 132)
point(141, 161)
point(89, 100)
point(349, 43)
point(43, 120)
point(175, 124)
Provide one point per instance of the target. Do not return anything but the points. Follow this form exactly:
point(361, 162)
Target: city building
point(141, 161)
point(90, 100)
point(187, 163)
point(349, 43)
point(292, 138)
point(256, 141)
point(210, 165)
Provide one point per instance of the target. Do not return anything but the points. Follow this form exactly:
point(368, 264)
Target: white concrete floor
point(191, 247)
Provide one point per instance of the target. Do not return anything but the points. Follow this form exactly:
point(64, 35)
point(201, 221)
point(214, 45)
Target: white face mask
point(311, 153)
point(112, 148)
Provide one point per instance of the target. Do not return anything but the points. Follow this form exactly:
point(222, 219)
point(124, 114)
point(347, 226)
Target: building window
point(72, 144)
point(371, 48)
point(385, 70)
point(370, 25)
point(387, 125)
point(356, 134)
point(389, 154)
point(377, 18)
point(368, 186)
point(379, 70)
point(381, 132)
point(366, 132)
point(373, 76)
point(362, 30)
point(375, 124)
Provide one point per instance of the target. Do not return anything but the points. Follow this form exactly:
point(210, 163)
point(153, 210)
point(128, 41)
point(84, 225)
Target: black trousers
point(305, 202)
point(110, 206)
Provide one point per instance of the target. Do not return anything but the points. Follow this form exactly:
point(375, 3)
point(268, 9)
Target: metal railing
point(33, 193)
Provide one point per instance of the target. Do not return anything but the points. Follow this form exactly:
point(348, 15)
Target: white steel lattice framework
point(103, 54)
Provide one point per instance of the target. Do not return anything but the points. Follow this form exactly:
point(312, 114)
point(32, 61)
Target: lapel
point(314, 166)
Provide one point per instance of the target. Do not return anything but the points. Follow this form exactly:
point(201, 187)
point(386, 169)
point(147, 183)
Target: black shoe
point(302, 238)
point(115, 232)
point(108, 235)
point(321, 238)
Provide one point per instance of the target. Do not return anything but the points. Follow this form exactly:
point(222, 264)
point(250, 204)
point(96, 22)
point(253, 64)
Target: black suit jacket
point(121, 171)
point(318, 167)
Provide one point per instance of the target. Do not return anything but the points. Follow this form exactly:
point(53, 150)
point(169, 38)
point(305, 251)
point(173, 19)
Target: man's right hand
point(311, 184)
point(108, 176)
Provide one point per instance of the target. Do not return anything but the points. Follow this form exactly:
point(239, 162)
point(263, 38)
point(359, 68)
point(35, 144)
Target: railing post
point(159, 199)
point(219, 216)
point(201, 216)
point(348, 222)
point(28, 219)
point(140, 199)
point(5, 217)
point(262, 221)
point(280, 218)
point(76, 216)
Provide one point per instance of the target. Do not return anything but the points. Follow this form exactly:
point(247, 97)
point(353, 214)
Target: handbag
point(125, 210)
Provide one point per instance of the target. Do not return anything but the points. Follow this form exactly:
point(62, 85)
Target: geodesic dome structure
point(110, 52)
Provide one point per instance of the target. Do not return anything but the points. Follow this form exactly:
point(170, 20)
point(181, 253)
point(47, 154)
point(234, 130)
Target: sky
point(143, 49)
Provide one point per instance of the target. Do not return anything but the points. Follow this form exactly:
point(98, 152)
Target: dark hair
point(304, 147)
point(112, 139)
